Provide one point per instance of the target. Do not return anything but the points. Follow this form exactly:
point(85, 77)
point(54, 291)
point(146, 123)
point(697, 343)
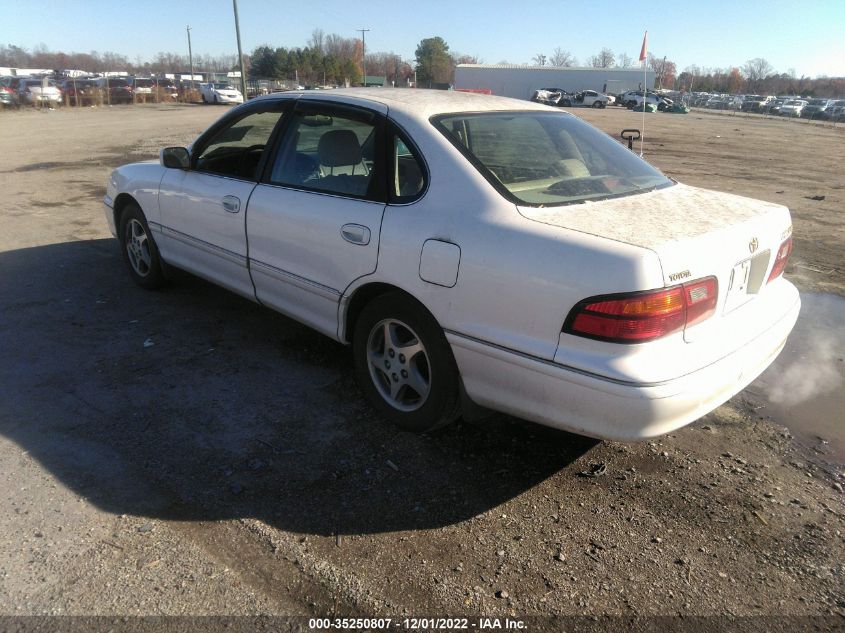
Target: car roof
point(415, 103)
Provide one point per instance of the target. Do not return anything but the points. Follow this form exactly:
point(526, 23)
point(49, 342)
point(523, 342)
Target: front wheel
point(139, 250)
point(404, 364)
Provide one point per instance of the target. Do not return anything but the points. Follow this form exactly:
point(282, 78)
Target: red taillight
point(644, 316)
point(781, 259)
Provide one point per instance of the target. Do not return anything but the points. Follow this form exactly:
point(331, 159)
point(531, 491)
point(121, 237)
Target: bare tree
point(757, 69)
point(605, 59)
point(624, 60)
point(561, 58)
point(460, 58)
point(317, 40)
point(539, 59)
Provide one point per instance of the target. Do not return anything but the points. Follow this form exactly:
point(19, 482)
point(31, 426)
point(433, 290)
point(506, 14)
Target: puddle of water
point(803, 388)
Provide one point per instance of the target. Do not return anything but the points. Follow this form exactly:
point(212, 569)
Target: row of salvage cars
point(475, 252)
point(562, 98)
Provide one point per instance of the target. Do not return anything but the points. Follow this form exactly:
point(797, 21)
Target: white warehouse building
point(520, 82)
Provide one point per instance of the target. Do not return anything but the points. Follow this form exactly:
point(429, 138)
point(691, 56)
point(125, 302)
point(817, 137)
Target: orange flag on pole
point(644, 49)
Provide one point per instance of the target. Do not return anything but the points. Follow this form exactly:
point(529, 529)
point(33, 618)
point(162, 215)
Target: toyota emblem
point(753, 244)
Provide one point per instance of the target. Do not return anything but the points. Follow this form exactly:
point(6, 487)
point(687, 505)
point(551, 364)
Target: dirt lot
point(187, 452)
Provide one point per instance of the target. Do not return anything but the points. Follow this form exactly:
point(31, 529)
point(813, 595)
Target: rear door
point(315, 220)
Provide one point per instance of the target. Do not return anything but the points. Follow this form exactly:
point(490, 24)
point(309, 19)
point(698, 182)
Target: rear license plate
point(746, 280)
point(738, 286)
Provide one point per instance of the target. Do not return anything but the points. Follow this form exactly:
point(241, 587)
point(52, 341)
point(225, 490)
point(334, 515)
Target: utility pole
point(190, 56)
point(364, 54)
point(240, 54)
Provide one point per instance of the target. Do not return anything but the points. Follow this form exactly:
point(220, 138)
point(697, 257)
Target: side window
point(330, 153)
point(236, 150)
point(408, 173)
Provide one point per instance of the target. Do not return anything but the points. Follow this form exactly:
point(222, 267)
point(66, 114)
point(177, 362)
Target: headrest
point(339, 147)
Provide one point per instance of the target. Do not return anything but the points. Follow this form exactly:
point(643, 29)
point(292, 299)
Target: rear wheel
point(404, 364)
point(139, 250)
point(598, 104)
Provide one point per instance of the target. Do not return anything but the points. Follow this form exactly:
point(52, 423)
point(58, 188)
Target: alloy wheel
point(138, 248)
point(399, 365)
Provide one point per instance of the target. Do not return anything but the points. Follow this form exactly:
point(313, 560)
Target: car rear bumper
point(554, 395)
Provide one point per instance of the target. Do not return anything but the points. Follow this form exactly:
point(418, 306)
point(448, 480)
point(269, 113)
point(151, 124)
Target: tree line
point(333, 59)
point(336, 60)
point(755, 76)
point(163, 62)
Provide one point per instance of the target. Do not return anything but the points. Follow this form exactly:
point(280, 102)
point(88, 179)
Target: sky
point(807, 36)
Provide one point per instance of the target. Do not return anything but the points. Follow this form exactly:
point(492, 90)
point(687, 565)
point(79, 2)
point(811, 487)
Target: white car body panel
point(301, 261)
point(198, 233)
point(499, 279)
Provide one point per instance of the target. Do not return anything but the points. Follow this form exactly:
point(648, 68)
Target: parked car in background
point(552, 96)
point(793, 107)
point(165, 88)
point(84, 88)
point(592, 99)
point(117, 89)
point(39, 91)
point(142, 85)
point(445, 238)
point(635, 99)
point(836, 112)
point(774, 107)
point(816, 109)
point(220, 92)
point(756, 103)
point(8, 95)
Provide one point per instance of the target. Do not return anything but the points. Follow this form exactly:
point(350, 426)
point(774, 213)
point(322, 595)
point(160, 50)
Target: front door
point(203, 209)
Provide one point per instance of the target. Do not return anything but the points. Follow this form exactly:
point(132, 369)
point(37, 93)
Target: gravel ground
point(186, 452)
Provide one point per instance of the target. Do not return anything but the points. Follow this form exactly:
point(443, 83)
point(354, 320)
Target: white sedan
point(218, 92)
point(473, 250)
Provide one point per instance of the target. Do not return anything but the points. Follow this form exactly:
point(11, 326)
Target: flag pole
point(645, 96)
point(644, 60)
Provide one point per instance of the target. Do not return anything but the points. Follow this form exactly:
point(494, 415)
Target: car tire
point(404, 365)
point(139, 249)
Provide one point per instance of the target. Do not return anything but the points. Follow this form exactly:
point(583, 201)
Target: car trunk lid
point(696, 233)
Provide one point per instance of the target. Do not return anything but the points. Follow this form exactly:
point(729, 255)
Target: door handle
point(355, 234)
point(231, 204)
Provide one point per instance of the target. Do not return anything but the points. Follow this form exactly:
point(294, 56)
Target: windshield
point(548, 159)
point(224, 86)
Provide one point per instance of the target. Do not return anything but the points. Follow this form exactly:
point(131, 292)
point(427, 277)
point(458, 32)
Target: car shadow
point(194, 404)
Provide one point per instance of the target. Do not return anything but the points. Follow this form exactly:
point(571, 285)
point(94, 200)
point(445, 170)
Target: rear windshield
point(548, 159)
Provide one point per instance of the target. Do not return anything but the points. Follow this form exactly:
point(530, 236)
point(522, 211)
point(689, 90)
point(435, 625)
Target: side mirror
point(631, 136)
point(175, 158)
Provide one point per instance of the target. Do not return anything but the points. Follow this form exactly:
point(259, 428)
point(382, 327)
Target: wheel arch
point(363, 295)
point(120, 203)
